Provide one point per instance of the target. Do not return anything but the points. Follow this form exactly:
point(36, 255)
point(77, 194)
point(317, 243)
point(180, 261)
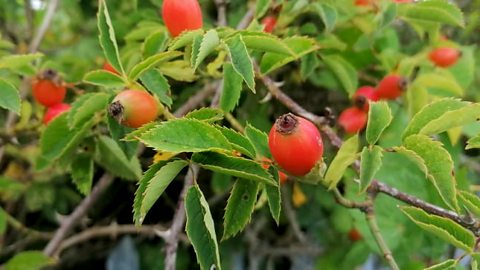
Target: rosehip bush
point(160, 134)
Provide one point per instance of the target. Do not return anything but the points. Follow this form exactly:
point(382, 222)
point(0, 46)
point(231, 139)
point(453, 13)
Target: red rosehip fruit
point(54, 111)
point(362, 3)
point(269, 24)
point(391, 87)
point(48, 88)
point(181, 15)
point(295, 144)
point(353, 120)
point(354, 235)
point(444, 57)
point(266, 163)
point(108, 67)
point(363, 95)
point(134, 108)
point(402, 1)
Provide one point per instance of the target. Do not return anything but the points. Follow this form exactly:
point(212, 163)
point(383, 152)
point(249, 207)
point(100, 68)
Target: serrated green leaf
point(299, 45)
point(107, 37)
point(110, 156)
point(446, 265)
point(28, 260)
point(201, 229)
point(10, 98)
point(265, 42)
point(379, 118)
point(240, 207)
point(185, 135)
point(442, 227)
point(58, 139)
point(140, 193)
point(440, 81)
point(235, 166)
point(344, 71)
point(154, 43)
point(239, 142)
point(184, 39)
point(85, 107)
point(371, 161)
point(274, 196)
point(414, 157)
point(18, 60)
point(430, 112)
point(471, 201)
point(259, 140)
point(143, 29)
point(451, 119)
point(179, 70)
point(439, 164)
point(328, 14)
point(433, 11)
point(82, 173)
point(232, 88)
point(387, 15)
point(347, 154)
point(262, 7)
point(209, 115)
point(135, 134)
point(473, 143)
point(118, 132)
point(157, 184)
point(104, 78)
point(241, 61)
point(209, 43)
point(156, 83)
point(151, 62)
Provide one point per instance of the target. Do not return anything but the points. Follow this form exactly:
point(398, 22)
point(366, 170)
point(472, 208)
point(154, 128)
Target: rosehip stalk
point(295, 144)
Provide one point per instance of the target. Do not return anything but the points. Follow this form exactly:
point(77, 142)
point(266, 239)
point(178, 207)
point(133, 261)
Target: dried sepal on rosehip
point(48, 88)
point(134, 108)
point(181, 15)
point(295, 144)
point(363, 95)
point(353, 120)
point(391, 87)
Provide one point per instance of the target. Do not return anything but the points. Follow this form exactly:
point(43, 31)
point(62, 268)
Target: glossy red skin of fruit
point(391, 87)
point(354, 235)
point(363, 95)
point(138, 107)
point(269, 24)
point(110, 68)
point(298, 149)
point(353, 120)
point(444, 57)
point(402, 1)
point(54, 111)
point(266, 163)
point(181, 15)
point(47, 93)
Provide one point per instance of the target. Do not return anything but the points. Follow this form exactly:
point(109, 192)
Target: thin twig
point(196, 100)
point(377, 234)
point(234, 122)
point(112, 231)
point(221, 12)
point(245, 21)
point(290, 214)
point(178, 220)
point(42, 30)
point(68, 224)
point(12, 221)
